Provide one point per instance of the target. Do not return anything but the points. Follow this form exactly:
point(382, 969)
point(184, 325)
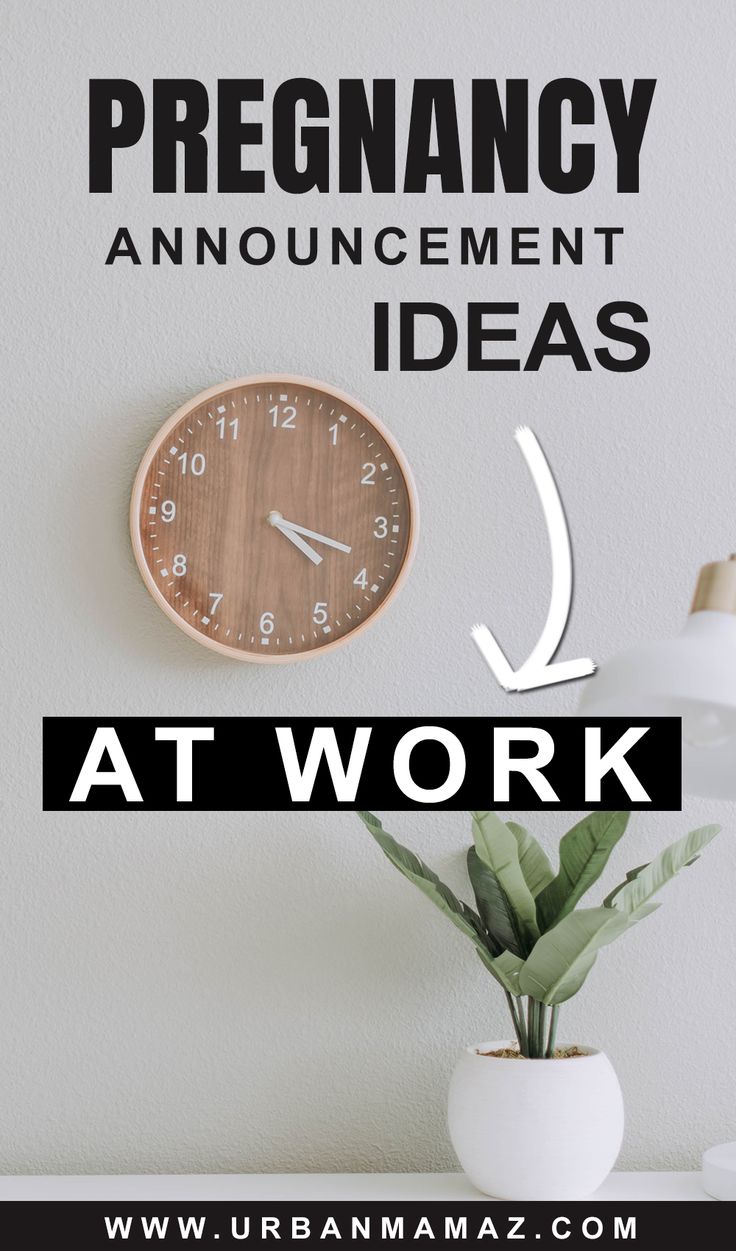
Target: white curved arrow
point(537, 670)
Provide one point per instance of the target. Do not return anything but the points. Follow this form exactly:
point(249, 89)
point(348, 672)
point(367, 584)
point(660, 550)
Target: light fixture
point(692, 676)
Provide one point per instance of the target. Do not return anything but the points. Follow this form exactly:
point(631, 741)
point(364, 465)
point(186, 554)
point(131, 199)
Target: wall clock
point(273, 518)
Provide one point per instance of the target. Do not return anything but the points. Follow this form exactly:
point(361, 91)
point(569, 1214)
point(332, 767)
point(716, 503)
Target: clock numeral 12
point(287, 419)
point(381, 527)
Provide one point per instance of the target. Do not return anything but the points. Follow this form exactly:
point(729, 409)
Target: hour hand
point(303, 546)
point(291, 528)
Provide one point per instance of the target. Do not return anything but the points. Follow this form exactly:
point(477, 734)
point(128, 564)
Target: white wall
point(245, 992)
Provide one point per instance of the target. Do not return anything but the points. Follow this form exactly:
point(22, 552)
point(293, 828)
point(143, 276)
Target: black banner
point(274, 764)
point(224, 1224)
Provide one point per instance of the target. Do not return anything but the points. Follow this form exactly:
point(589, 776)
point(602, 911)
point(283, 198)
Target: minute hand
point(313, 534)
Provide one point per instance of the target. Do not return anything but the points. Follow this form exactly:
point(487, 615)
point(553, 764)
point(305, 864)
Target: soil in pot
point(513, 1053)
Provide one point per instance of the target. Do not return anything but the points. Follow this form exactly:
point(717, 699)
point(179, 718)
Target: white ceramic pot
point(535, 1129)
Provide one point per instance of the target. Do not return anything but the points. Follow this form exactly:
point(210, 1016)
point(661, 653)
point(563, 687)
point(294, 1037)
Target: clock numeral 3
point(381, 527)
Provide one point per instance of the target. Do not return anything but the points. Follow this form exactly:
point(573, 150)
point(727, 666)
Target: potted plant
point(531, 1118)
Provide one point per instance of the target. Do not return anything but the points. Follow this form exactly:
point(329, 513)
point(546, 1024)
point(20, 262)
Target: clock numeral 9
point(381, 527)
point(168, 510)
point(266, 623)
point(179, 566)
point(369, 475)
point(287, 420)
point(196, 463)
point(319, 613)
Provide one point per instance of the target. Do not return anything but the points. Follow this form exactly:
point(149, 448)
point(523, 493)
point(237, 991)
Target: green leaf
point(564, 956)
point(634, 897)
point(506, 969)
point(584, 853)
point(632, 873)
point(535, 866)
point(462, 916)
point(498, 849)
point(645, 911)
point(496, 914)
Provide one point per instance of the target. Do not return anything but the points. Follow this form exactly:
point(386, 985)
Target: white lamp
point(692, 676)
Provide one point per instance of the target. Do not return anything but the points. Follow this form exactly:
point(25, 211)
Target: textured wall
point(247, 992)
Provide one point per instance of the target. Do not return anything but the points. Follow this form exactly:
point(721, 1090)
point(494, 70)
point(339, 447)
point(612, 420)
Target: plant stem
point(517, 1016)
point(514, 1018)
point(536, 1040)
point(523, 1031)
point(552, 1032)
point(537, 1044)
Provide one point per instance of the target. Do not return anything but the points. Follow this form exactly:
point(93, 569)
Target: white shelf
point(327, 1187)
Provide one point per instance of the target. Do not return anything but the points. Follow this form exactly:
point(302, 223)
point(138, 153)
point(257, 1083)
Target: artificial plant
point(528, 930)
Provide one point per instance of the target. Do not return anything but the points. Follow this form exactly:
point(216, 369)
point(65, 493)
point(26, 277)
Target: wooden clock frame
point(162, 436)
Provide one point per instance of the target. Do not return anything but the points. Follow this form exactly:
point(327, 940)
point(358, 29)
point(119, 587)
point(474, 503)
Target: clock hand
point(315, 557)
point(292, 528)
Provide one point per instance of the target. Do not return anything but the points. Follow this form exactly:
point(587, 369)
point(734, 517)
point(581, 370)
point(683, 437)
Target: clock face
point(273, 517)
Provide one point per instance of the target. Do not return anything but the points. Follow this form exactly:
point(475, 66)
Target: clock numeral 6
point(195, 463)
point(369, 475)
point(179, 566)
point(168, 510)
point(319, 613)
point(361, 579)
point(381, 527)
point(283, 417)
point(266, 623)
